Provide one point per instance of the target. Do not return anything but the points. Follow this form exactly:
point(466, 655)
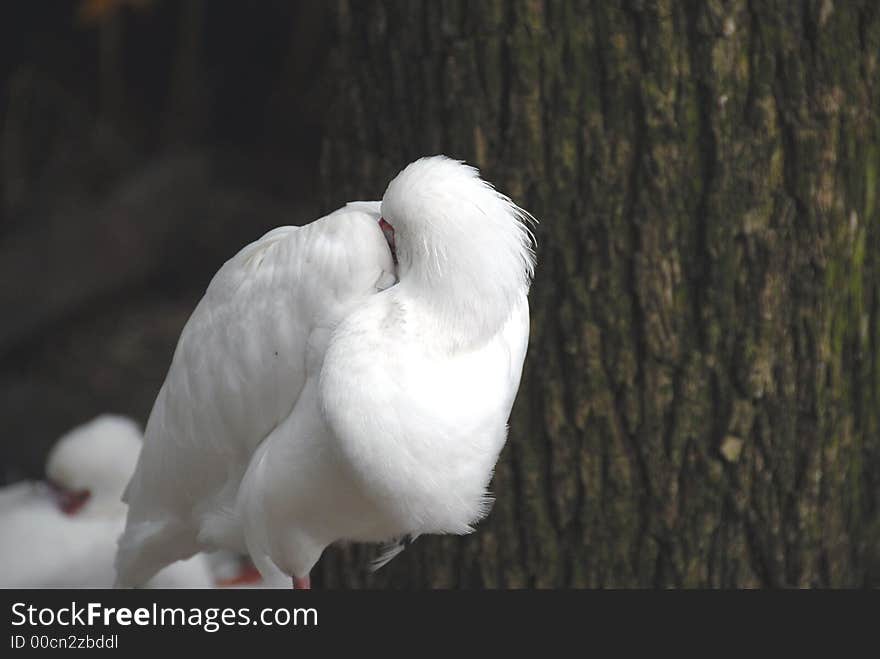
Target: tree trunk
point(701, 398)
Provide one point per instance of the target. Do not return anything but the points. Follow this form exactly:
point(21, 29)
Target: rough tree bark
point(701, 401)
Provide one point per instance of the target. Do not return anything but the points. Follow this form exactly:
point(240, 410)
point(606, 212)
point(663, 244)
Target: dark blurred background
point(700, 405)
point(142, 143)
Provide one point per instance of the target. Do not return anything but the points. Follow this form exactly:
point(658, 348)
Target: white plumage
point(324, 390)
point(41, 546)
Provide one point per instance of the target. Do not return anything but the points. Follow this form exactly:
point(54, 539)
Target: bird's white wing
point(240, 366)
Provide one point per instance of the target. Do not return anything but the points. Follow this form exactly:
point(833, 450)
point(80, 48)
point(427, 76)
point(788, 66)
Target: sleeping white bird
point(63, 534)
point(348, 380)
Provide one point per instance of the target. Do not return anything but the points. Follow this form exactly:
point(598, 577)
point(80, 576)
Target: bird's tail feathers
point(148, 546)
point(390, 551)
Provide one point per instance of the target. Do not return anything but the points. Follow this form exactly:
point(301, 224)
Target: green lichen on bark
point(701, 400)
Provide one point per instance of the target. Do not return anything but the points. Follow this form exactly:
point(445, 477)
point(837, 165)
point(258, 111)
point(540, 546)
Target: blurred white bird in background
point(350, 379)
point(63, 533)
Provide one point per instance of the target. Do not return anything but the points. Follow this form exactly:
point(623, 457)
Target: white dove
point(348, 380)
point(63, 534)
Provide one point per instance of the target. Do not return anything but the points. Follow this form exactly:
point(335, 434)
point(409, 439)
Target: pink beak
point(388, 230)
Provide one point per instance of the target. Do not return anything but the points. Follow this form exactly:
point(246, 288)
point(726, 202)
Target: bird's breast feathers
point(421, 429)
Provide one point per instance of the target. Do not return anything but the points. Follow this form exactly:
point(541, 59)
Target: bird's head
point(467, 246)
point(89, 467)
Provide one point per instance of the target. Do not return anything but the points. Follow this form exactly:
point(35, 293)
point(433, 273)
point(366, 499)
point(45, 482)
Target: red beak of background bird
point(70, 502)
point(388, 230)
